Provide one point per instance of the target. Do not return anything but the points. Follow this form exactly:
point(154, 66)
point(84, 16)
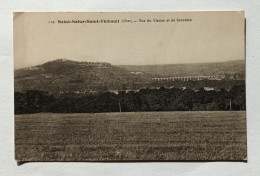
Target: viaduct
point(187, 78)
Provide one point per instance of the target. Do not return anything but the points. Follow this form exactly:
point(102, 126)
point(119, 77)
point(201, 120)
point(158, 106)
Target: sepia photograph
point(129, 86)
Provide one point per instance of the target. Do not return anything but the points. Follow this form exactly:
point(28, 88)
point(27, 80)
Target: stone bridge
point(187, 78)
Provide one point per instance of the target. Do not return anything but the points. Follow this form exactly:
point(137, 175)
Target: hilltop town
point(64, 75)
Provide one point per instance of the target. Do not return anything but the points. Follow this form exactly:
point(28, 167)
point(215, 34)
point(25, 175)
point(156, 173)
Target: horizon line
point(184, 63)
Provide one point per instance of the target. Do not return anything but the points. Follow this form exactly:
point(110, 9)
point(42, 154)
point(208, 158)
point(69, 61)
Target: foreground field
point(131, 136)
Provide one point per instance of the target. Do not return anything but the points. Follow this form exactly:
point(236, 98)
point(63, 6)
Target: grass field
point(131, 136)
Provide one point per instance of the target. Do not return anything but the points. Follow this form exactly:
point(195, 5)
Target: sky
point(208, 37)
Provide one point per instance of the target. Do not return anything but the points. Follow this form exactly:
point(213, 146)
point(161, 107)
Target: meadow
point(131, 136)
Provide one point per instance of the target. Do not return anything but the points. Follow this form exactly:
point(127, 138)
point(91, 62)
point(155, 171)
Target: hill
point(196, 69)
point(67, 75)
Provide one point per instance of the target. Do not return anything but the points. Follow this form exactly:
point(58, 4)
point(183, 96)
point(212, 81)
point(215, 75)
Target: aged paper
point(127, 86)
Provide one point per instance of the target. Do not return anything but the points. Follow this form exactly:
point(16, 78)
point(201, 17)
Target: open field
point(131, 136)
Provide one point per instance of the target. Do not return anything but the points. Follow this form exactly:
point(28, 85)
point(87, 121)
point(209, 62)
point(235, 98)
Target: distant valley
point(193, 69)
point(65, 75)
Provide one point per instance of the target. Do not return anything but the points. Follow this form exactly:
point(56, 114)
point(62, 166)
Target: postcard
point(130, 86)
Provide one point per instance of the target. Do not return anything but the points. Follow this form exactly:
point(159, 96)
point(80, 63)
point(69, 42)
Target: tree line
point(162, 99)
